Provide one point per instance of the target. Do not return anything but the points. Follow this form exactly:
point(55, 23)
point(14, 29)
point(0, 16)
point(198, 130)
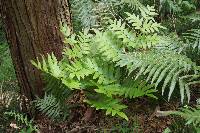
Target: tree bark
point(32, 29)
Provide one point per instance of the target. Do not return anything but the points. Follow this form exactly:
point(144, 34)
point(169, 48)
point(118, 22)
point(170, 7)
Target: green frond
point(81, 45)
point(191, 115)
point(65, 30)
point(169, 6)
point(23, 120)
point(57, 70)
point(193, 37)
point(134, 3)
point(60, 88)
point(167, 67)
point(102, 73)
point(145, 23)
point(194, 17)
point(130, 38)
point(83, 13)
point(49, 65)
point(108, 46)
point(112, 106)
point(88, 14)
point(49, 106)
point(130, 90)
point(123, 33)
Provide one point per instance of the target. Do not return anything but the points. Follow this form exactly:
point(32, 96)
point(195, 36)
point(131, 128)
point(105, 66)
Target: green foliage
point(146, 27)
point(83, 9)
point(167, 130)
point(7, 73)
point(194, 17)
point(112, 106)
point(134, 3)
point(177, 7)
point(188, 120)
point(29, 127)
point(49, 106)
point(191, 115)
point(90, 13)
point(120, 62)
point(169, 6)
point(128, 90)
point(91, 63)
point(164, 66)
point(193, 36)
point(146, 24)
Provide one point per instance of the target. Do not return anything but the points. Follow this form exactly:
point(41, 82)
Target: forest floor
point(142, 114)
point(143, 118)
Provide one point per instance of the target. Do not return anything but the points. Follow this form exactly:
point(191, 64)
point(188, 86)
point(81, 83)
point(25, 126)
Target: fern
point(56, 87)
point(120, 62)
point(80, 44)
point(134, 3)
point(168, 67)
point(112, 106)
point(191, 115)
point(23, 120)
point(50, 66)
point(49, 106)
point(90, 14)
point(108, 46)
point(169, 6)
point(132, 90)
point(84, 10)
point(104, 74)
point(146, 24)
point(51, 70)
point(144, 31)
point(193, 36)
point(123, 33)
point(194, 17)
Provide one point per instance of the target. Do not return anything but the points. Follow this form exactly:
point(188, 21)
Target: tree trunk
point(32, 29)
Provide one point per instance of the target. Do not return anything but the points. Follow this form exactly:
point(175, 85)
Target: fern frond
point(58, 87)
point(49, 66)
point(80, 45)
point(134, 3)
point(191, 115)
point(167, 67)
point(112, 106)
point(131, 90)
point(146, 23)
point(194, 38)
point(169, 6)
point(93, 14)
point(102, 73)
point(194, 17)
point(131, 39)
point(123, 33)
point(83, 11)
point(23, 120)
point(49, 106)
point(108, 46)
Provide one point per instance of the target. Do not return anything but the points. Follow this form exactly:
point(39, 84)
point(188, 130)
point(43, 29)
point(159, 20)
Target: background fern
point(191, 115)
point(49, 106)
point(28, 126)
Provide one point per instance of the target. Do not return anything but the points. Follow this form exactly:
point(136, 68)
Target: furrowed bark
point(32, 30)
